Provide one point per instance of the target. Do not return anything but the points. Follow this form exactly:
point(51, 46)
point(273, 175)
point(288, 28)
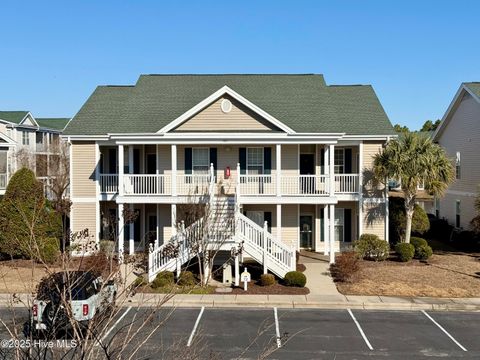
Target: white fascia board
point(25, 118)
point(450, 108)
point(84, 137)
point(217, 94)
point(369, 137)
point(9, 142)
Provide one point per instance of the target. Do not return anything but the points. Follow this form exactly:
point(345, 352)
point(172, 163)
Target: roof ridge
point(238, 74)
point(346, 85)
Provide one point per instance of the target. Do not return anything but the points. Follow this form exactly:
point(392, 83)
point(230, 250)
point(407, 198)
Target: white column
point(332, 234)
point(325, 160)
point(143, 225)
point(121, 225)
point(157, 239)
point(237, 271)
point(386, 213)
point(174, 218)
point(121, 164)
point(331, 169)
point(97, 191)
point(326, 237)
point(265, 261)
point(131, 235)
point(278, 157)
point(360, 217)
point(279, 222)
point(360, 189)
point(174, 170)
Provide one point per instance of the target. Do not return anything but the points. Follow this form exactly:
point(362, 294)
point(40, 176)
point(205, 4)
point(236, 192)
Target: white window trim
point(343, 160)
point(263, 159)
point(458, 165)
point(342, 224)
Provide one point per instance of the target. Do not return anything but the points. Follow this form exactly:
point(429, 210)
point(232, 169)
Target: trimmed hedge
point(416, 242)
point(295, 278)
point(371, 247)
point(423, 252)
point(186, 278)
point(49, 249)
point(162, 279)
point(267, 279)
point(405, 251)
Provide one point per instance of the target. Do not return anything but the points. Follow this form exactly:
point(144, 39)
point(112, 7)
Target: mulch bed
point(276, 289)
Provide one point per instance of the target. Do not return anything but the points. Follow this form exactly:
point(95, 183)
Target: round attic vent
point(226, 105)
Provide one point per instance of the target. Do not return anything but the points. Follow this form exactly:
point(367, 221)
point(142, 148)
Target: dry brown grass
point(444, 275)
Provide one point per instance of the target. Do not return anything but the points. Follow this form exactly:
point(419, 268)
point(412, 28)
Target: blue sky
point(414, 53)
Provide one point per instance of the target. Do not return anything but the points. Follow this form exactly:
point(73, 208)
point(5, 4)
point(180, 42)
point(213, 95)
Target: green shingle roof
point(302, 102)
point(474, 87)
point(53, 123)
point(13, 116)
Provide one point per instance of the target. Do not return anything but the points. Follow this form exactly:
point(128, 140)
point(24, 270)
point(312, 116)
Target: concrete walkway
point(319, 281)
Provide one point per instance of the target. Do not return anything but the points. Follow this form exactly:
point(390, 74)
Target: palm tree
point(414, 159)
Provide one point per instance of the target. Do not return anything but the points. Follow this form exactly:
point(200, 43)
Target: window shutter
point(322, 234)
point(188, 161)
point(213, 157)
point(267, 160)
point(242, 152)
point(348, 161)
point(322, 160)
point(347, 225)
point(267, 216)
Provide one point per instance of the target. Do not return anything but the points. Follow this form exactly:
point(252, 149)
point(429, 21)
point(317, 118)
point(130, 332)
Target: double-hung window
point(25, 138)
point(255, 165)
point(200, 161)
point(339, 161)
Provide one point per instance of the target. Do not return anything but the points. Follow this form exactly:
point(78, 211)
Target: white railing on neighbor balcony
point(108, 183)
point(346, 183)
point(257, 185)
point(146, 184)
point(3, 181)
point(304, 185)
point(196, 184)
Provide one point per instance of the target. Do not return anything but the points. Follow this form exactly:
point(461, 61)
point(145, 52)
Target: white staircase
point(225, 226)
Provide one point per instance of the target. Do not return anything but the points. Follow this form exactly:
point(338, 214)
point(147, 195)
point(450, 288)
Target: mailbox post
point(246, 278)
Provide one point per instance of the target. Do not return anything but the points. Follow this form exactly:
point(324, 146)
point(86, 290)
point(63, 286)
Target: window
point(255, 161)
point(457, 165)
point(457, 213)
point(339, 161)
point(200, 160)
point(339, 224)
point(25, 138)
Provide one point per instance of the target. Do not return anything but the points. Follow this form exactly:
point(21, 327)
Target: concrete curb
point(283, 301)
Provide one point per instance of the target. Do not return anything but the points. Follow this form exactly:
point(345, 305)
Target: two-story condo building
point(287, 150)
point(28, 141)
point(459, 135)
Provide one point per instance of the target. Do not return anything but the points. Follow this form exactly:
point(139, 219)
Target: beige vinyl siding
point(165, 223)
point(290, 227)
point(374, 219)
point(290, 164)
point(165, 159)
point(462, 133)
point(240, 118)
point(83, 170)
point(370, 149)
point(83, 217)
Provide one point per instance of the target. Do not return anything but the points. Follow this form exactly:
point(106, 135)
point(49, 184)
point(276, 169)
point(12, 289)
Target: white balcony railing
point(346, 183)
point(305, 185)
point(257, 185)
point(109, 183)
point(136, 184)
point(3, 181)
point(193, 184)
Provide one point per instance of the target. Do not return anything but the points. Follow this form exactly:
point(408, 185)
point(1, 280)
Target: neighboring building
point(459, 135)
point(29, 141)
point(285, 149)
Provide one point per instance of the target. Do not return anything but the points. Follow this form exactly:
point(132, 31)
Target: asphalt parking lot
point(299, 333)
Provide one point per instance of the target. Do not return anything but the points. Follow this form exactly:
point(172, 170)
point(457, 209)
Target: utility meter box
point(227, 274)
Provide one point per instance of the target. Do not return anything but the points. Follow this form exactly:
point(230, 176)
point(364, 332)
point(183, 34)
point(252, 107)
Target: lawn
point(446, 274)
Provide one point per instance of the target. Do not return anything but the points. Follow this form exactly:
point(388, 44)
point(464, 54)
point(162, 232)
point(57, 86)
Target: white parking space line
point(360, 329)
point(116, 323)
point(445, 331)
point(190, 339)
point(277, 328)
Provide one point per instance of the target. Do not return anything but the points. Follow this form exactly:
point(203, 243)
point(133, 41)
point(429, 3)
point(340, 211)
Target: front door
point(307, 167)
point(151, 164)
point(306, 231)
